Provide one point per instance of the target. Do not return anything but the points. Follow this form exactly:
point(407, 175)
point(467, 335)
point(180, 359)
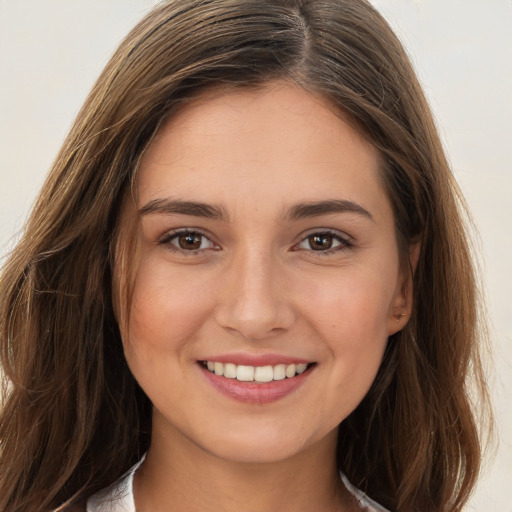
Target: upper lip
point(245, 359)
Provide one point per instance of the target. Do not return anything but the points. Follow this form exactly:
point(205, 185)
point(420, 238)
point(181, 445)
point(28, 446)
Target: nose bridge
point(254, 302)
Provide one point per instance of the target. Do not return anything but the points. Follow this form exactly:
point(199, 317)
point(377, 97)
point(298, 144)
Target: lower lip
point(255, 392)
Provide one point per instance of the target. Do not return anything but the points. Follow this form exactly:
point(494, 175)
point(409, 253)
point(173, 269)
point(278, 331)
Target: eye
point(325, 241)
point(187, 241)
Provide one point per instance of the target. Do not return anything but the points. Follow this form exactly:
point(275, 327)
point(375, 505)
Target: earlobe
point(402, 304)
point(401, 310)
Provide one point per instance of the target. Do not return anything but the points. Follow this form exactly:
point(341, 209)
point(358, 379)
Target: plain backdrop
point(51, 51)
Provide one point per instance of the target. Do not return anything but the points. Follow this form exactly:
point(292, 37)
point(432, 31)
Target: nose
point(254, 301)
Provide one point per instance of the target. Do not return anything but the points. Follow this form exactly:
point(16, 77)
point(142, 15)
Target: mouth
point(257, 374)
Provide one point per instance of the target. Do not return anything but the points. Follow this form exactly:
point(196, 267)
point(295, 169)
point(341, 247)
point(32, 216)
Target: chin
point(267, 445)
point(252, 453)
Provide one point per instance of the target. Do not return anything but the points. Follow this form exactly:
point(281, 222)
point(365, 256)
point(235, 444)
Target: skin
point(256, 286)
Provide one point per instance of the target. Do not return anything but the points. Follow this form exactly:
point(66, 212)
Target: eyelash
point(343, 242)
point(168, 238)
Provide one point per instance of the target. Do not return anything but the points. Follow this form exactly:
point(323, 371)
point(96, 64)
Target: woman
point(249, 261)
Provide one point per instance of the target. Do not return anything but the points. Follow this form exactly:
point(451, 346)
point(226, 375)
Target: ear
point(401, 306)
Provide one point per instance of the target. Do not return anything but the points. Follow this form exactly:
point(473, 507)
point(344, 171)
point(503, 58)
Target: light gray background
point(51, 51)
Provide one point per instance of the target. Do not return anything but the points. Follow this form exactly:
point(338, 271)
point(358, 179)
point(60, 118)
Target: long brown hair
point(74, 419)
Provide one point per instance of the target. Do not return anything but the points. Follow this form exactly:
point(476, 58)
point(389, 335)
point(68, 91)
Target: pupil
point(190, 241)
point(319, 242)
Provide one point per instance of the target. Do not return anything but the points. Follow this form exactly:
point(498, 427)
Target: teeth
point(218, 369)
point(255, 373)
point(263, 373)
point(244, 373)
point(301, 368)
point(229, 370)
point(290, 370)
point(279, 371)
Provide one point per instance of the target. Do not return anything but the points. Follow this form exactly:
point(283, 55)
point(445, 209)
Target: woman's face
point(267, 246)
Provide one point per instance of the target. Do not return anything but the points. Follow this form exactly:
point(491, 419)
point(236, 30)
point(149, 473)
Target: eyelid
point(345, 241)
point(167, 238)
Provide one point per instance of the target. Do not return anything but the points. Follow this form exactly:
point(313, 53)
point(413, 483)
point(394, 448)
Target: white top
point(119, 497)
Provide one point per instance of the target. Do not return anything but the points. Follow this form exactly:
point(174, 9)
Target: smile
point(258, 384)
point(260, 374)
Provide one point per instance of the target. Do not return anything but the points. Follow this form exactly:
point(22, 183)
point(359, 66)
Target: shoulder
point(364, 502)
point(116, 498)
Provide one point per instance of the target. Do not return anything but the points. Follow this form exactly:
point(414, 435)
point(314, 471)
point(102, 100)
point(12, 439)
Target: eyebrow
point(296, 212)
point(317, 208)
point(196, 209)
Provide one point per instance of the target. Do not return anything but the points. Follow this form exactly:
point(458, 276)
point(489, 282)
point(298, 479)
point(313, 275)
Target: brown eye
point(188, 241)
point(324, 242)
point(321, 242)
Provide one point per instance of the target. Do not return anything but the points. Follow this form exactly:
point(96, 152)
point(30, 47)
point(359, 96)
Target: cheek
point(166, 310)
point(350, 314)
point(353, 301)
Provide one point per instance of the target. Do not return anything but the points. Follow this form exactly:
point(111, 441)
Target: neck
point(180, 476)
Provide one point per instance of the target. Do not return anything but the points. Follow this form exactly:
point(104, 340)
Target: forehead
point(279, 143)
